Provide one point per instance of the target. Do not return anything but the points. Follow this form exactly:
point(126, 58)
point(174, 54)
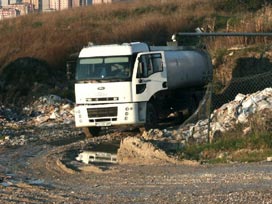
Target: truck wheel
point(179, 118)
point(151, 117)
point(91, 131)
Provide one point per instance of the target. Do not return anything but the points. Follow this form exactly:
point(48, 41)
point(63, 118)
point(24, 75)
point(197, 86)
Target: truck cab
point(114, 83)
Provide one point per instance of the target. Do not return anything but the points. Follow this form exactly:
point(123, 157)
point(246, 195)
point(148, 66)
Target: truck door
point(149, 76)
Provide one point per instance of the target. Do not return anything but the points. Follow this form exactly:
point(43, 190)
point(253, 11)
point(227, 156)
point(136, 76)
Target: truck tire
point(179, 118)
point(91, 131)
point(151, 117)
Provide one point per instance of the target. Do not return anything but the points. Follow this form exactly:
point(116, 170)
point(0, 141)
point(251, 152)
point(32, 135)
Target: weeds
point(37, 24)
point(51, 36)
point(232, 147)
point(219, 56)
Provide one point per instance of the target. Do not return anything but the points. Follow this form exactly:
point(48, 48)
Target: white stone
point(269, 100)
point(66, 106)
point(41, 119)
point(247, 103)
point(263, 105)
point(267, 91)
point(53, 116)
point(242, 118)
point(239, 97)
point(246, 130)
point(197, 135)
point(269, 159)
point(258, 97)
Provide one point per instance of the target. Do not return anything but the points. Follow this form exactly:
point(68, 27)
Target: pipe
point(224, 34)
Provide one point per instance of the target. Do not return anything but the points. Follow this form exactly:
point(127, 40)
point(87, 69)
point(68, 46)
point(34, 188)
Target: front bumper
point(110, 114)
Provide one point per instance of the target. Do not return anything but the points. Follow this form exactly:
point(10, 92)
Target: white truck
point(136, 84)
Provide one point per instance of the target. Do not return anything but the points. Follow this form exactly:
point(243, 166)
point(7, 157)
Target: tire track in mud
point(46, 163)
point(53, 159)
point(240, 183)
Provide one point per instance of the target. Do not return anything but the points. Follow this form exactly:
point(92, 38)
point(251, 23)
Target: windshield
point(104, 68)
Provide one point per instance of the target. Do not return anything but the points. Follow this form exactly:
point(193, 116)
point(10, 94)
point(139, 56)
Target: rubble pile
point(240, 110)
point(45, 109)
point(50, 108)
point(225, 118)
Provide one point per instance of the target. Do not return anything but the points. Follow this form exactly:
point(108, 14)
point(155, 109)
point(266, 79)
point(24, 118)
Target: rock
point(153, 134)
point(239, 97)
point(50, 107)
point(41, 119)
point(54, 115)
point(226, 118)
point(240, 110)
point(247, 130)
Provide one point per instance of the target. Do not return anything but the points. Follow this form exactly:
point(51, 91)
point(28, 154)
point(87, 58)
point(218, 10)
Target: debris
point(38, 182)
point(228, 116)
point(239, 110)
point(50, 108)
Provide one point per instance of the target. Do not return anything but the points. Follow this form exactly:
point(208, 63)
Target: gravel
point(43, 169)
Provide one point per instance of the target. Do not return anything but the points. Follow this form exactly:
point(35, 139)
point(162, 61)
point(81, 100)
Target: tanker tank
point(188, 68)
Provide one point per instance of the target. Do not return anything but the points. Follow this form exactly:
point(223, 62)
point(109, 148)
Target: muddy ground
point(43, 169)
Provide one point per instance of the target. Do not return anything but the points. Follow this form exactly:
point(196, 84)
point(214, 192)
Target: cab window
point(149, 64)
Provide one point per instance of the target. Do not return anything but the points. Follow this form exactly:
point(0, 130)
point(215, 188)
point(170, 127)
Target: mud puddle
point(70, 160)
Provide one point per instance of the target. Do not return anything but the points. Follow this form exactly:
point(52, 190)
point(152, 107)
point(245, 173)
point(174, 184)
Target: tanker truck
point(136, 84)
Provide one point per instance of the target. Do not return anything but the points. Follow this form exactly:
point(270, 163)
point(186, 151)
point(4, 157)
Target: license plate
point(103, 123)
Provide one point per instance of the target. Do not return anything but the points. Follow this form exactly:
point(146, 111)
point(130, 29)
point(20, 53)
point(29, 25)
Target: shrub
point(234, 6)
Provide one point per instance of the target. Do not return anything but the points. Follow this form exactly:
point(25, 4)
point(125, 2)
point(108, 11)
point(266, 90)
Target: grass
point(232, 147)
point(54, 36)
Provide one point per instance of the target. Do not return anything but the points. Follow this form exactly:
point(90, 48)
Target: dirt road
point(43, 170)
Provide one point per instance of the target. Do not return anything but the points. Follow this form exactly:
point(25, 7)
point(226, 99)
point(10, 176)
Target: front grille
point(102, 112)
point(102, 99)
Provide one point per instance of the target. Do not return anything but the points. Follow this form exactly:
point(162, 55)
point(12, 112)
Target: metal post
point(223, 34)
point(210, 88)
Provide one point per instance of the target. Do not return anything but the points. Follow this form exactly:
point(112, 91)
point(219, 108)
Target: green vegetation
point(37, 24)
point(243, 5)
point(231, 147)
point(235, 146)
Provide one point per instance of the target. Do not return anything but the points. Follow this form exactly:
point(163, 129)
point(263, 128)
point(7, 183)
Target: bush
point(232, 146)
point(234, 6)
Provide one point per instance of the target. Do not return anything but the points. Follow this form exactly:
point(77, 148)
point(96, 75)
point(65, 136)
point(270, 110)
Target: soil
point(44, 170)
